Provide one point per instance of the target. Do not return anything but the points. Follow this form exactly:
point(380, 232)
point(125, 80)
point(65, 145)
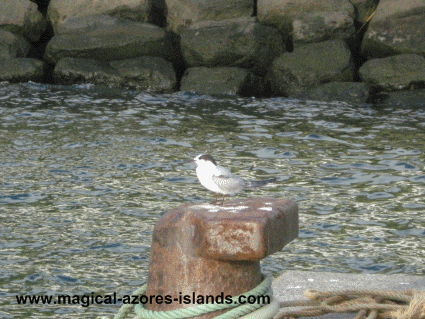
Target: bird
point(219, 179)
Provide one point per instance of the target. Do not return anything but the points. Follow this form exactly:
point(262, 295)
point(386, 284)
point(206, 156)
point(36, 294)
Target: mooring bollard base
point(201, 250)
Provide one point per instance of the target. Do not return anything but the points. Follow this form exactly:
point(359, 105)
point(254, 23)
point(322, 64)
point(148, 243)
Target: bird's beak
point(190, 160)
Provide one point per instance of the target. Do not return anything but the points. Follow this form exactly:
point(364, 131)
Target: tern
point(219, 179)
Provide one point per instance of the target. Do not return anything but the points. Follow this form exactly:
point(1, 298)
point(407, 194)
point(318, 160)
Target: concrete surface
point(292, 284)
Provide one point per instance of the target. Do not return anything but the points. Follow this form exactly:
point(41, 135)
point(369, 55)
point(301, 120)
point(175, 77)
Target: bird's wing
point(229, 183)
point(220, 170)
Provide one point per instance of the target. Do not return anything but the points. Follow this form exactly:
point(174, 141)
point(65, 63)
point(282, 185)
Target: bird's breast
point(205, 178)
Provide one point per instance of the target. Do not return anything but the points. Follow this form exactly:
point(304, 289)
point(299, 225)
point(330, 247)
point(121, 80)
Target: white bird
point(219, 179)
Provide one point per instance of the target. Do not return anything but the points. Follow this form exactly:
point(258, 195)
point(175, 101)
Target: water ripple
point(85, 173)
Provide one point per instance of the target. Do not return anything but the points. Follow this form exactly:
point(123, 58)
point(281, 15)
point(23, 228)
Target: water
point(85, 172)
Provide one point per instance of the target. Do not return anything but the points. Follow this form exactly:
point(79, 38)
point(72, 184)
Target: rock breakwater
point(313, 49)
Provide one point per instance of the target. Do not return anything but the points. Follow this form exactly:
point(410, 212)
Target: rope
point(264, 288)
point(370, 304)
point(126, 308)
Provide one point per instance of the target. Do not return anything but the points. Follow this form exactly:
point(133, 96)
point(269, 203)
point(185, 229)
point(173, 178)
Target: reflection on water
point(85, 172)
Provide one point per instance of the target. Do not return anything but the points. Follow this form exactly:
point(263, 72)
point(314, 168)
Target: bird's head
point(204, 159)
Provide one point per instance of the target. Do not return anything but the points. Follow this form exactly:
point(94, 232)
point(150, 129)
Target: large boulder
point(308, 21)
point(397, 26)
point(239, 42)
point(77, 70)
point(322, 26)
point(22, 17)
point(22, 70)
point(182, 13)
point(12, 45)
point(226, 80)
point(311, 65)
point(144, 73)
point(415, 98)
point(350, 92)
point(60, 11)
point(147, 73)
point(399, 72)
point(107, 39)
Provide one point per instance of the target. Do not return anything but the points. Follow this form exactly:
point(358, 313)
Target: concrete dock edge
point(292, 284)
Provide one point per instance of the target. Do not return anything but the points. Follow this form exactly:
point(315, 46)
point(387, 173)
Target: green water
point(86, 171)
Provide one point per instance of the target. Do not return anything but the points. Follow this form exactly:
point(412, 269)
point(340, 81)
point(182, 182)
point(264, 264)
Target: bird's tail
point(250, 184)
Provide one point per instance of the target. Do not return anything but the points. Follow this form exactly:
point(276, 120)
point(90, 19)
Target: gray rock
point(322, 26)
point(116, 39)
point(226, 80)
point(59, 11)
point(22, 17)
point(12, 45)
point(145, 73)
point(76, 70)
point(183, 13)
point(311, 65)
point(239, 42)
point(309, 15)
point(89, 23)
point(397, 72)
point(22, 70)
point(415, 98)
point(398, 26)
point(350, 92)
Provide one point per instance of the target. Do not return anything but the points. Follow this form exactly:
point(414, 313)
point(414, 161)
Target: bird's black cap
point(207, 157)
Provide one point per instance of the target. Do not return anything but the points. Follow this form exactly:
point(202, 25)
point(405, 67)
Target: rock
point(76, 70)
point(183, 13)
point(238, 42)
point(350, 92)
point(22, 17)
point(145, 73)
point(60, 11)
point(399, 72)
point(322, 26)
point(226, 80)
point(308, 20)
point(112, 39)
point(415, 98)
point(12, 45)
point(311, 65)
point(398, 26)
point(22, 70)
point(89, 23)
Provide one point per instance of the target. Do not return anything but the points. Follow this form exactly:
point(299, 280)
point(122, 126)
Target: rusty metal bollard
point(209, 249)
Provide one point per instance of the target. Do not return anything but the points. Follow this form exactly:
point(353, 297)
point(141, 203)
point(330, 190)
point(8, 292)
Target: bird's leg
point(214, 202)
point(222, 201)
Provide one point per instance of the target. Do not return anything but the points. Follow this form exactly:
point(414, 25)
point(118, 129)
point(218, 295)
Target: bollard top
point(243, 229)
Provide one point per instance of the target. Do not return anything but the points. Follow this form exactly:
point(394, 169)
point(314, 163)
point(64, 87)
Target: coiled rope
point(264, 288)
point(370, 304)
